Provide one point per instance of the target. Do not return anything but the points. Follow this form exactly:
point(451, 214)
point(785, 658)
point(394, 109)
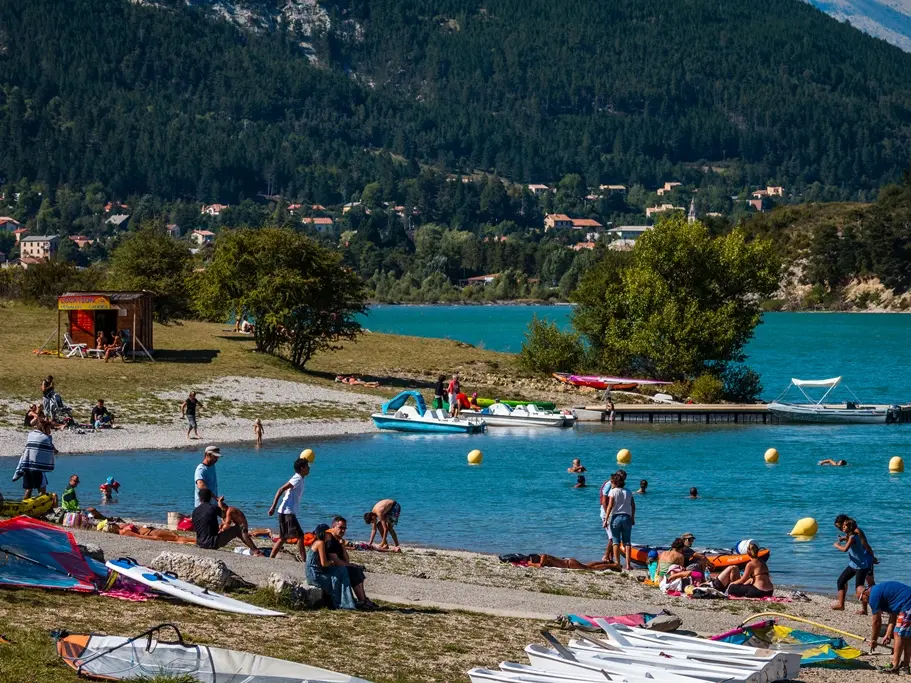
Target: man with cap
point(694, 560)
point(206, 477)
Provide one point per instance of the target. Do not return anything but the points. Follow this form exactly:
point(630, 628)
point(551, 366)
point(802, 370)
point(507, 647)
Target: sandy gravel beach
point(455, 580)
point(231, 405)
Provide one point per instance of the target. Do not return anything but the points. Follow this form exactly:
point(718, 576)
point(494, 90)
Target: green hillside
point(165, 100)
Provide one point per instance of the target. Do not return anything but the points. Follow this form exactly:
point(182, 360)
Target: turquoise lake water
point(521, 498)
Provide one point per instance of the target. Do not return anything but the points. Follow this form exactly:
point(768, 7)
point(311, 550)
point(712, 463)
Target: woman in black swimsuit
point(755, 582)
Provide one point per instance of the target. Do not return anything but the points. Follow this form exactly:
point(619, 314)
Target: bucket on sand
point(174, 519)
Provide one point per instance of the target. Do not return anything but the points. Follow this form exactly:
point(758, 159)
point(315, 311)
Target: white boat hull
point(523, 421)
point(830, 413)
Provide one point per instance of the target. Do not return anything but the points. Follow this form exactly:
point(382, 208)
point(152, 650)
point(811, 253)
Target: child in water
point(108, 489)
point(258, 431)
point(694, 492)
point(580, 482)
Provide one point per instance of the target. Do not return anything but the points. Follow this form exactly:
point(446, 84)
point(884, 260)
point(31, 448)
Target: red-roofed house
point(479, 280)
point(320, 224)
point(8, 224)
point(557, 221)
point(203, 237)
point(317, 207)
point(583, 245)
point(586, 224)
point(173, 230)
point(81, 240)
point(213, 209)
point(293, 207)
point(20, 233)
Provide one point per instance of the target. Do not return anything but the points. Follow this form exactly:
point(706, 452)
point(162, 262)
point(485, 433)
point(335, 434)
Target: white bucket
point(173, 519)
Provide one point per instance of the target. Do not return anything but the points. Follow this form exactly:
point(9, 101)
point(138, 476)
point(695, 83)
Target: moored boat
point(602, 382)
point(502, 415)
point(818, 411)
point(397, 416)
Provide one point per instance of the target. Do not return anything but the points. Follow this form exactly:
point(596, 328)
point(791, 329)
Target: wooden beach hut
point(89, 313)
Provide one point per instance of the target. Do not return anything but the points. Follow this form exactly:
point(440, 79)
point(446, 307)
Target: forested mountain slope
point(162, 98)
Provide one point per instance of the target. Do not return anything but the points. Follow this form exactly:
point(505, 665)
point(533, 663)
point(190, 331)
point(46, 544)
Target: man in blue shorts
point(895, 598)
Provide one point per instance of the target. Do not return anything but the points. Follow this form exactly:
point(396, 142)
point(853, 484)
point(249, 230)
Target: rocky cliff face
point(886, 19)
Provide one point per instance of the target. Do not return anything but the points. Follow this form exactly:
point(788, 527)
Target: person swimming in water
point(694, 492)
point(580, 482)
point(833, 463)
point(577, 467)
point(643, 485)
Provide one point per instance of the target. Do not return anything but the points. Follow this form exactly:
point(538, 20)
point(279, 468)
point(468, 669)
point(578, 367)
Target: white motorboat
point(502, 415)
point(817, 410)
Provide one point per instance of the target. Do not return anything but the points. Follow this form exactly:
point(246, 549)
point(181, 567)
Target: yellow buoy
point(475, 457)
point(624, 457)
point(805, 527)
point(771, 456)
point(896, 464)
point(308, 455)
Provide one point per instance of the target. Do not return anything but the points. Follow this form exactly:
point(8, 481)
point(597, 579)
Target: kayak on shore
point(718, 557)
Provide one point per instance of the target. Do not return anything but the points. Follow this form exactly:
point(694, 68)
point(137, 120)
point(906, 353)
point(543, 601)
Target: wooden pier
point(691, 413)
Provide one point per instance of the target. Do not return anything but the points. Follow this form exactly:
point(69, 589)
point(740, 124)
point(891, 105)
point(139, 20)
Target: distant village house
point(8, 224)
point(661, 208)
point(668, 187)
point(119, 221)
point(38, 248)
point(538, 189)
point(173, 230)
point(202, 237)
point(213, 209)
point(81, 240)
point(320, 224)
point(560, 221)
point(479, 280)
point(608, 190)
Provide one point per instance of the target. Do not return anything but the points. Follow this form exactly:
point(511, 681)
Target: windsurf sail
point(815, 650)
point(40, 555)
point(119, 658)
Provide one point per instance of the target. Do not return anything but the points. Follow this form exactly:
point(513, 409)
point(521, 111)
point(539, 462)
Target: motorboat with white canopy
point(817, 410)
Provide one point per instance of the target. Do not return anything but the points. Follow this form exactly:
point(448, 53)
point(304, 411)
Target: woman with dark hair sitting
point(755, 582)
point(327, 569)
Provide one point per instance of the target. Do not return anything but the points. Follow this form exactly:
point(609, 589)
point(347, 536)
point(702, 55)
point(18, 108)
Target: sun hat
point(213, 450)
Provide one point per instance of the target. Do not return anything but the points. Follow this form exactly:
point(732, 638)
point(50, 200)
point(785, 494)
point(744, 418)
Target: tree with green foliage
point(549, 349)
point(149, 259)
point(684, 304)
point(299, 296)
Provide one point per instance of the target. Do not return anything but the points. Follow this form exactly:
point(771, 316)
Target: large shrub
point(548, 349)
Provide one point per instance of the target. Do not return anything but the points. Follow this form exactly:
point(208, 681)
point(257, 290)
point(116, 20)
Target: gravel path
point(262, 390)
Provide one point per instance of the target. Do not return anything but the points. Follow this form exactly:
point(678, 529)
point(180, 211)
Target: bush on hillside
point(548, 349)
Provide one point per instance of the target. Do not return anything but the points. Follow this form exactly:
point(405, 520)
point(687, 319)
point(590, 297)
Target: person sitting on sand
point(643, 485)
point(209, 534)
point(288, 526)
point(693, 560)
point(672, 556)
point(756, 581)
point(833, 463)
point(694, 492)
point(234, 518)
point(101, 416)
point(576, 467)
point(338, 555)
point(580, 482)
point(321, 572)
point(860, 563)
point(895, 599)
point(384, 517)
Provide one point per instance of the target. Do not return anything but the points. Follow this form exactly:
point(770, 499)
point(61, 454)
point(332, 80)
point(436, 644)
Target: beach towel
point(664, 621)
point(38, 455)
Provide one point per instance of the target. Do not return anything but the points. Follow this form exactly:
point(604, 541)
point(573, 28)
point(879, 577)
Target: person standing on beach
point(205, 476)
point(37, 459)
point(455, 386)
point(619, 514)
point(860, 562)
point(188, 411)
point(258, 432)
point(291, 493)
point(895, 598)
point(439, 390)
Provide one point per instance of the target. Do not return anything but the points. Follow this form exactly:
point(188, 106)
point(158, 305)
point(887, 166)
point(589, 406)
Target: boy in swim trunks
point(290, 493)
point(384, 516)
point(895, 598)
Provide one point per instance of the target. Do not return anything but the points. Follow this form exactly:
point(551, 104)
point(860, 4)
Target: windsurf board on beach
point(171, 585)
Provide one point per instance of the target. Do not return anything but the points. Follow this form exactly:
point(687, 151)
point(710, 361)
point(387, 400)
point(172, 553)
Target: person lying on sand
point(833, 463)
point(146, 532)
point(573, 563)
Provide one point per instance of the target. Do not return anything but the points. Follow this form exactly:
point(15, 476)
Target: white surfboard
point(169, 585)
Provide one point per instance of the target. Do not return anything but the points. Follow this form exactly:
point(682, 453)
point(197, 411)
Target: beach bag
point(186, 524)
